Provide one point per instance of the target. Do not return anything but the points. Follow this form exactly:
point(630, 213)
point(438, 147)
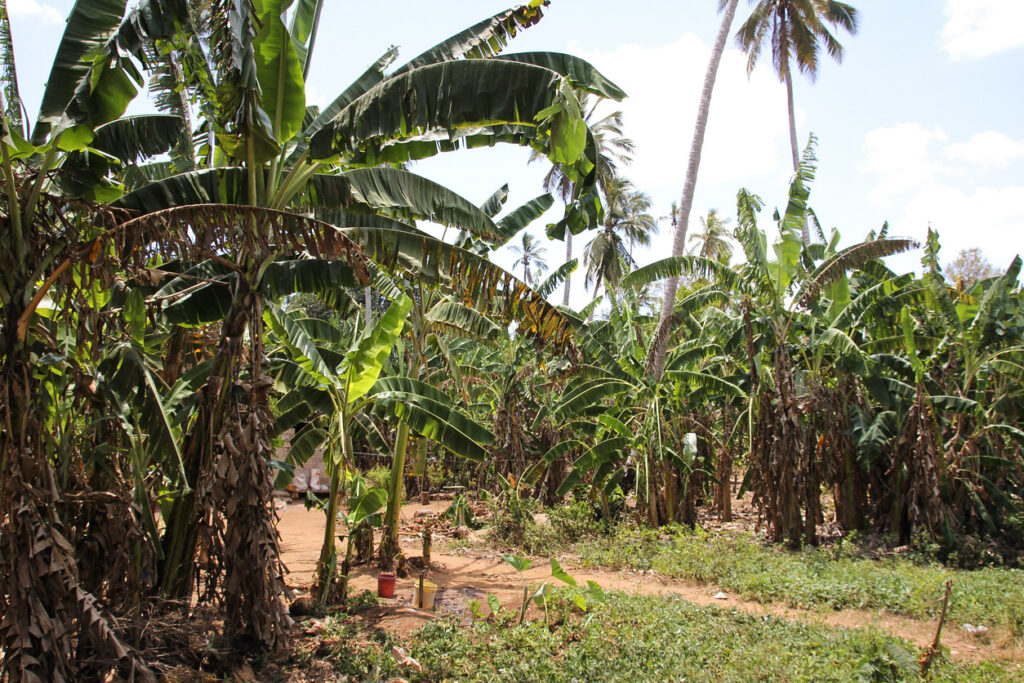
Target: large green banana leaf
point(279, 69)
point(363, 364)
point(472, 279)
point(430, 413)
point(93, 78)
point(484, 39)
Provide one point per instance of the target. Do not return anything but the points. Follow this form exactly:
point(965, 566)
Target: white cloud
point(33, 9)
point(980, 28)
point(747, 139)
point(991, 218)
point(989, 150)
point(921, 179)
point(747, 133)
point(902, 158)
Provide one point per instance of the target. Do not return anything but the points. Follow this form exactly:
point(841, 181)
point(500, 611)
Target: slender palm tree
point(613, 149)
point(530, 252)
point(627, 224)
point(796, 30)
point(681, 220)
point(713, 242)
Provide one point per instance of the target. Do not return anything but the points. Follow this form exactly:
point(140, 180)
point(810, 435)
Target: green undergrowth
point(836, 577)
point(839, 576)
point(648, 638)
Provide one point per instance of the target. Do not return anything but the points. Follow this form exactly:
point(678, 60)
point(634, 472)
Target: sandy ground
point(467, 574)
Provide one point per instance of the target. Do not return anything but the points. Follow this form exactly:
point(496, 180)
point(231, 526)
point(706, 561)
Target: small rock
point(403, 659)
point(976, 630)
point(720, 596)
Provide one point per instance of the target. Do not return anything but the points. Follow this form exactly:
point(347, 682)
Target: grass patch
point(664, 638)
point(815, 578)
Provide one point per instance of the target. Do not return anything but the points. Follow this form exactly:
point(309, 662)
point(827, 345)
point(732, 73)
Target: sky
point(922, 123)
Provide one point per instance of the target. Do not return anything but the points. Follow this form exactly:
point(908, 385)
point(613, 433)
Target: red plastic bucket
point(386, 585)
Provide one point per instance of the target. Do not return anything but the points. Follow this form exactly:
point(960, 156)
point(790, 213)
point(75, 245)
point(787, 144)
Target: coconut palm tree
point(612, 150)
point(530, 251)
point(681, 221)
point(627, 224)
point(713, 242)
point(796, 30)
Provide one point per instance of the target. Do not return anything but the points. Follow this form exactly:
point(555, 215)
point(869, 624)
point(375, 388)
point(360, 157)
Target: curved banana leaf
point(369, 78)
point(532, 473)
point(590, 393)
point(556, 277)
point(613, 424)
point(849, 259)
point(580, 73)
point(462, 320)
point(601, 453)
point(841, 343)
point(209, 186)
point(303, 349)
point(674, 266)
point(329, 280)
point(955, 404)
point(131, 138)
point(402, 194)
point(89, 26)
point(300, 402)
point(497, 200)
point(474, 280)
point(365, 506)
point(430, 413)
point(702, 380)
point(438, 100)
point(95, 91)
point(484, 39)
point(522, 216)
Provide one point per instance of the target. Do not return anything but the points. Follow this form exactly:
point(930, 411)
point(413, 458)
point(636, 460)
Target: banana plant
point(265, 157)
point(344, 386)
point(337, 397)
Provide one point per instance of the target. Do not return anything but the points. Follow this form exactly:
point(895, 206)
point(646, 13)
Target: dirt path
point(467, 574)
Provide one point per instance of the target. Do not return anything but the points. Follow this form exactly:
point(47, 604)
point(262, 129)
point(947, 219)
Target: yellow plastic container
point(429, 591)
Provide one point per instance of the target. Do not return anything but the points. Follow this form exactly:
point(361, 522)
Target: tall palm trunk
point(568, 257)
point(805, 233)
point(794, 148)
point(703, 110)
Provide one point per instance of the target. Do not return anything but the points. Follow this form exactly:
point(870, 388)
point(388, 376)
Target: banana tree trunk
point(690, 183)
point(652, 490)
point(50, 620)
point(328, 551)
point(389, 543)
point(231, 508)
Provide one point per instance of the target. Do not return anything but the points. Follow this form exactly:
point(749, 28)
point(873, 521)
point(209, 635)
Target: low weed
point(663, 638)
point(814, 578)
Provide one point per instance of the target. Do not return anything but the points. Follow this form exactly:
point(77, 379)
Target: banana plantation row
point(154, 348)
